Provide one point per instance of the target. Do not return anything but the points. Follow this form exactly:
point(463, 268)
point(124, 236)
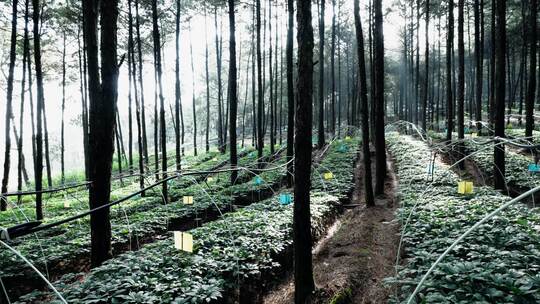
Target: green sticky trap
point(509, 126)
point(285, 198)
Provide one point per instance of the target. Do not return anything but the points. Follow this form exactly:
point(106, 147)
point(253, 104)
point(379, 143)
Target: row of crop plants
point(64, 248)
point(232, 255)
point(498, 263)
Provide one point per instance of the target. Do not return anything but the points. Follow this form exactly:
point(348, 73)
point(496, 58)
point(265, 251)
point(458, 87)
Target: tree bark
point(363, 99)
point(321, 135)
point(461, 80)
point(9, 104)
point(220, 93)
point(449, 91)
point(260, 103)
point(500, 50)
point(103, 97)
point(290, 93)
point(426, 80)
point(303, 268)
point(531, 89)
point(38, 166)
point(162, 127)
point(378, 61)
point(232, 92)
point(141, 82)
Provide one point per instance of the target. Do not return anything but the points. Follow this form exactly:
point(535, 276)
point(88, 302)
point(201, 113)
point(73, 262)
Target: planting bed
point(498, 263)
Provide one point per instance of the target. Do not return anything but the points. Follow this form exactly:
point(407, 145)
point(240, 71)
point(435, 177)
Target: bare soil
point(360, 250)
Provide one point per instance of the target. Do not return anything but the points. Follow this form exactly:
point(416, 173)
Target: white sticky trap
point(188, 200)
point(183, 241)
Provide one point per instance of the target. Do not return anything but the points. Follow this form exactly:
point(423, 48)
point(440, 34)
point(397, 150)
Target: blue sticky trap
point(466, 130)
point(430, 169)
point(343, 148)
point(314, 140)
point(252, 154)
point(258, 181)
point(534, 168)
point(285, 198)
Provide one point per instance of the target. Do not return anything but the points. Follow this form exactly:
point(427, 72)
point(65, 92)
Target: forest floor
point(359, 251)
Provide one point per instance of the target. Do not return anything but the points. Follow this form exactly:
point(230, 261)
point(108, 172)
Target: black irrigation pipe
point(50, 190)
point(35, 226)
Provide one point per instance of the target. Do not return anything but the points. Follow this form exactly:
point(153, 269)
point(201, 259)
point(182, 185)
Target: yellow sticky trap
point(183, 241)
point(214, 159)
point(67, 204)
point(328, 175)
point(188, 200)
point(474, 135)
point(347, 138)
point(465, 187)
point(210, 179)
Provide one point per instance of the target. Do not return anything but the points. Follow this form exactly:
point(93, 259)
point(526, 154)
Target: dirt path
point(358, 253)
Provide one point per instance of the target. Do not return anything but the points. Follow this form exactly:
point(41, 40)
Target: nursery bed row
point(498, 263)
point(232, 255)
point(66, 248)
point(518, 178)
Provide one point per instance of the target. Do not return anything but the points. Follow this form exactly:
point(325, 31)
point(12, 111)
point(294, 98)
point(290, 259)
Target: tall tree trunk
point(9, 104)
point(260, 103)
point(62, 128)
point(103, 99)
point(38, 165)
point(290, 93)
point(332, 69)
point(177, 97)
point(426, 80)
point(303, 268)
point(479, 52)
point(363, 99)
point(321, 139)
point(378, 61)
point(500, 50)
point(162, 126)
point(47, 154)
point(193, 96)
point(491, 103)
point(529, 102)
point(21, 161)
point(220, 93)
point(207, 74)
point(271, 74)
point(232, 92)
point(81, 52)
point(461, 80)
point(131, 54)
point(141, 82)
point(449, 91)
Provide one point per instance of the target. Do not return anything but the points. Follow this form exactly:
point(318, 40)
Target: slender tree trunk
point(426, 80)
point(9, 104)
point(449, 92)
point(21, 161)
point(38, 166)
point(260, 103)
point(461, 80)
point(491, 104)
point(271, 74)
point(332, 69)
point(378, 61)
point(232, 91)
point(220, 94)
point(500, 49)
point(84, 111)
point(529, 101)
point(321, 135)
point(363, 99)
point(303, 268)
point(193, 97)
point(62, 128)
point(162, 124)
point(290, 93)
point(47, 154)
point(141, 82)
point(479, 52)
